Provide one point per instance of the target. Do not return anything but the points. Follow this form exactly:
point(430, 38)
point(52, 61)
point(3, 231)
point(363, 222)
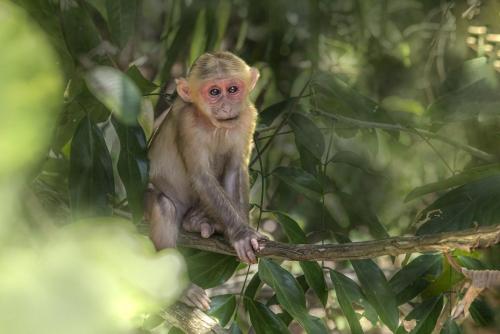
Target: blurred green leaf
point(312, 270)
point(117, 92)
point(79, 31)
point(451, 327)
point(426, 315)
point(307, 134)
point(468, 91)
point(352, 159)
point(122, 16)
point(208, 269)
point(378, 291)
point(336, 97)
point(30, 85)
point(199, 40)
point(263, 320)
point(91, 183)
point(482, 313)
point(466, 176)
point(349, 292)
point(133, 165)
point(142, 83)
point(413, 278)
point(290, 295)
point(300, 181)
point(222, 307)
point(473, 204)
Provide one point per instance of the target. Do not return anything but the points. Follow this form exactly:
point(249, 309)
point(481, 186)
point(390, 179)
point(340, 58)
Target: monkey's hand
point(245, 241)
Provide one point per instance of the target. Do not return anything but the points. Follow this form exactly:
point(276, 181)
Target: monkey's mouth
point(229, 119)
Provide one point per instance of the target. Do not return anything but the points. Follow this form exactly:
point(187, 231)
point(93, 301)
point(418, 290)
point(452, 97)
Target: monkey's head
point(219, 85)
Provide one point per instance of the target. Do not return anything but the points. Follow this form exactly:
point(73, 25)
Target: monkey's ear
point(183, 89)
point(254, 76)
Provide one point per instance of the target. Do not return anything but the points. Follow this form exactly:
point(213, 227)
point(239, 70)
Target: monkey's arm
point(220, 206)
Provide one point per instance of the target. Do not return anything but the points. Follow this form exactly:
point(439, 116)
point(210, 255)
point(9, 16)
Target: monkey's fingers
point(239, 247)
point(206, 230)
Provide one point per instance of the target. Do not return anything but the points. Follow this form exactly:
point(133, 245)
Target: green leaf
point(144, 85)
point(307, 134)
point(199, 40)
point(117, 92)
point(466, 176)
point(223, 14)
point(300, 181)
point(413, 278)
point(473, 204)
point(444, 282)
point(208, 269)
point(122, 16)
point(377, 291)
point(312, 270)
point(451, 327)
point(426, 315)
point(482, 313)
point(253, 286)
point(263, 320)
point(268, 115)
point(347, 293)
point(468, 91)
point(290, 295)
point(352, 159)
point(222, 308)
point(335, 96)
point(79, 31)
point(91, 183)
point(133, 165)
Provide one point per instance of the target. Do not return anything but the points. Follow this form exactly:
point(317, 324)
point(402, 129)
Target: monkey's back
point(167, 171)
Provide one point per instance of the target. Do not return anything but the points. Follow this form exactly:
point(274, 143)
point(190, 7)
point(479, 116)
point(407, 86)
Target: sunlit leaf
point(30, 84)
point(222, 307)
point(91, 182)
point(133, 165)
point(264, 321)
point(290, 295)
point(117, 92)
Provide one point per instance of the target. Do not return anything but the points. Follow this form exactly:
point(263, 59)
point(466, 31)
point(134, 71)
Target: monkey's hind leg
point(165, 220)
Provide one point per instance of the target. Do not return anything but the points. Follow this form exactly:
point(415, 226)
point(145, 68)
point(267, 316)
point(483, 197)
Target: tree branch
point(482, 237)
point(191, 320)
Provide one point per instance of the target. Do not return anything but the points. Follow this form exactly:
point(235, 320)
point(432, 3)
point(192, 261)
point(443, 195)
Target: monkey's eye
point(232, 89)
point(215, 91)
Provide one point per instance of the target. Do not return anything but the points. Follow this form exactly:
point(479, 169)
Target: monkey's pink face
point(224, 98)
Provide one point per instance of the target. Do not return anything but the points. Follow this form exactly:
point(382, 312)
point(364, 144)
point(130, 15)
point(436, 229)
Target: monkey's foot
point(195, 296)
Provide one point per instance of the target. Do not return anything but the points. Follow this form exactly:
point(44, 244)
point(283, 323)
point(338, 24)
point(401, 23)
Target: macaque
point(199, 160)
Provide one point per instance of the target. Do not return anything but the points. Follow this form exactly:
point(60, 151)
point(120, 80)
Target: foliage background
point(377, 118)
